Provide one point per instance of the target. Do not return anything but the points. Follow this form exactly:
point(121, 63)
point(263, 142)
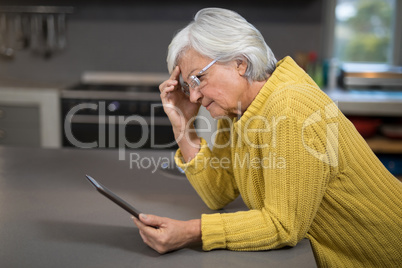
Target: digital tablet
point(109, 194)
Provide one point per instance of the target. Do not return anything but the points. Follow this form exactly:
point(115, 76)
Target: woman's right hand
point(177, 105)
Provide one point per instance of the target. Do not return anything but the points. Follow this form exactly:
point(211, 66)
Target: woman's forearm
point(188, 142)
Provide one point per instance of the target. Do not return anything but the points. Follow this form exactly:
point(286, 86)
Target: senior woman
point(299, 165)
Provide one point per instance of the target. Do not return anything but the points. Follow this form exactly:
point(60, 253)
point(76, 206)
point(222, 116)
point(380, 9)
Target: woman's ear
point(241, 67)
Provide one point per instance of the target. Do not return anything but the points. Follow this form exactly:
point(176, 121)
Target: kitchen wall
point(134, 37)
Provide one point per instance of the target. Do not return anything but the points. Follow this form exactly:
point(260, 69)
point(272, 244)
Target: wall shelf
point(383, 145)
point(367, 102)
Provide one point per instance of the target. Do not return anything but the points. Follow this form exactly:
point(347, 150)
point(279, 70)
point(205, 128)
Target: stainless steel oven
point(114, 110)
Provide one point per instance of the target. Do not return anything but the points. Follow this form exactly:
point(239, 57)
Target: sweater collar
point(286, 72)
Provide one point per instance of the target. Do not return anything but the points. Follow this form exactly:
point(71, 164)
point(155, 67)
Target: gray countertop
point(50, 216)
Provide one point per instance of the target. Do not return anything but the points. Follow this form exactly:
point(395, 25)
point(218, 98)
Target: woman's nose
point(195, 96)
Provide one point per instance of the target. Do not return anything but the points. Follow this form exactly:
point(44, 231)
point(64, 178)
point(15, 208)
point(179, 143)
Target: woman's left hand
point(164, 234)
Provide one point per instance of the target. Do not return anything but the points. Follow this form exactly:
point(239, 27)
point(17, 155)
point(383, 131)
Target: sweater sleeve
point(292, 193)
point(210, 172)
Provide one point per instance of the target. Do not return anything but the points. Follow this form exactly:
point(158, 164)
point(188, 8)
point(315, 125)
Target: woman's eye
point(200, 77)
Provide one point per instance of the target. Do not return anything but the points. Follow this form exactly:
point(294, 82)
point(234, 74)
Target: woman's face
point(223, 90)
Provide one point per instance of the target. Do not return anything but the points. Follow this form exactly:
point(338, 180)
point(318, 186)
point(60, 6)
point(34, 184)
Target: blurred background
point(55, 55)
point(134, 35)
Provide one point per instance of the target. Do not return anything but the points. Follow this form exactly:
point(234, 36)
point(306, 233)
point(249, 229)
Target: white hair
point(224, 34)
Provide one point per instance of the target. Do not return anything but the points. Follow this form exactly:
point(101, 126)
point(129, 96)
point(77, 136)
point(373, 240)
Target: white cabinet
point(19, 125)
point(30, 117)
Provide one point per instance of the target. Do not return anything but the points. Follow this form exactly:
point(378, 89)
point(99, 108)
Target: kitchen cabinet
point(19, 125)
point(30, 117)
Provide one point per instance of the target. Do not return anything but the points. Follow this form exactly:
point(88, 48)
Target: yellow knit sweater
point(303, 171)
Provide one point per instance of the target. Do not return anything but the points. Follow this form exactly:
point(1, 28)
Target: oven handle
point(101, 119)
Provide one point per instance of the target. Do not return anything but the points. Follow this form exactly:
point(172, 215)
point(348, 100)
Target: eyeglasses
point(194, 79)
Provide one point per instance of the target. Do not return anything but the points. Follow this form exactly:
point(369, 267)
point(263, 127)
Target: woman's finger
point(172, 81)
point(169, 86)
point(151, 220)
point(175, 74)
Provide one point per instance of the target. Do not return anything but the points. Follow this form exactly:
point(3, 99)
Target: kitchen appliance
point(371, 76)
point(116, 110)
